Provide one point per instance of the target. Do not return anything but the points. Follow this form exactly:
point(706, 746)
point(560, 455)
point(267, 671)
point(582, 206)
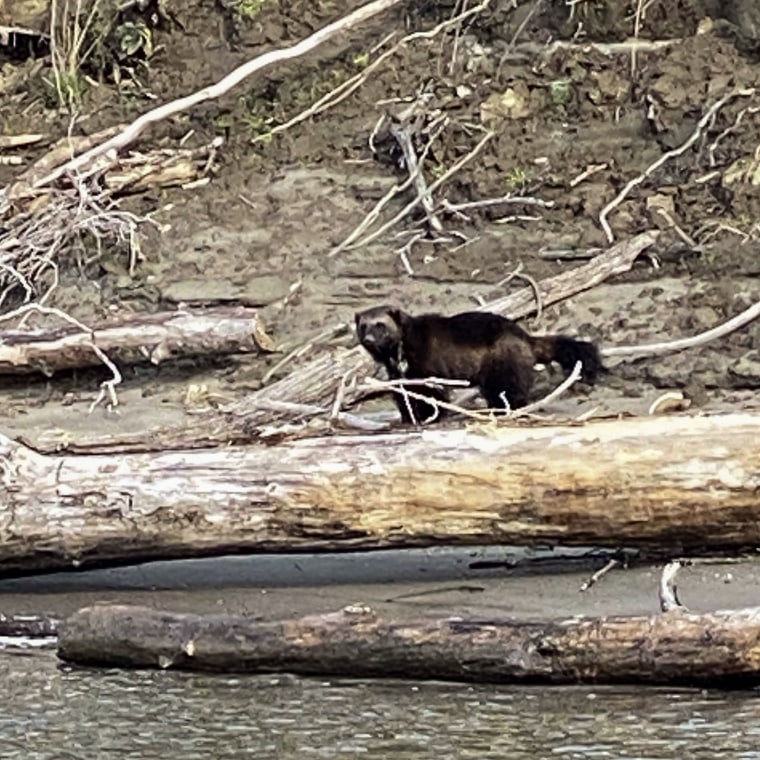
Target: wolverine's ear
point(395, 314)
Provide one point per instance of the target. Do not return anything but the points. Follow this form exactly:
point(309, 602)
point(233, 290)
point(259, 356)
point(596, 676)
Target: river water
point(53, 712)
point(50, 711)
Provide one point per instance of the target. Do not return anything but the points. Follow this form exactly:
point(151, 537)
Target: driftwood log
point(28, 626)
point(719, 648)
point(665, 485)
point(138, 338)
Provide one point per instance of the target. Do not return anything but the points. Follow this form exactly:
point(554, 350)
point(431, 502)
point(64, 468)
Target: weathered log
point(665, 485)
point(674, 647)
point(313, 385)
point(137, 338)
point(28, 626)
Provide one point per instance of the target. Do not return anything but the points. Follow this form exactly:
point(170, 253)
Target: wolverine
point(487, 350)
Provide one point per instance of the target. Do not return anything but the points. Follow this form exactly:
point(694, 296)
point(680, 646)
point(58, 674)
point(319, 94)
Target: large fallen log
point(719, 648)
point(138, 338)
point(665, 485)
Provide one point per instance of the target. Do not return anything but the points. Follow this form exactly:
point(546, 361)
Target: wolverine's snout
point(366, 335)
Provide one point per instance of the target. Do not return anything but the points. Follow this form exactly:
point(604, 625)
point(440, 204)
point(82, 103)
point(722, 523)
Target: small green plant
point(134, 37)
point(361, 60)
point(560, 92)
point(438, 170)
point(245, 10)
point(516, 179)
point(223, 121)
point(64, 88)
point(259, 126)
point(77, 29)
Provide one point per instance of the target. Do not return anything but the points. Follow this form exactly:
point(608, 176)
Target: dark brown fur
point(487, 350)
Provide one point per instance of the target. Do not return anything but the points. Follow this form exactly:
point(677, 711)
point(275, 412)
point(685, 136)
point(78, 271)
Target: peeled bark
point(675, 647)
point(665, 485)
point(139, 338)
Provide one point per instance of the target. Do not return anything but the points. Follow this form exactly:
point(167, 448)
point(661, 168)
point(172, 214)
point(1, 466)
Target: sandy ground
point(438, 582)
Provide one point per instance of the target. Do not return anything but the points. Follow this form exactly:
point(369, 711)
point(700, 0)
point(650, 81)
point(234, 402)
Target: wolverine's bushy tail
point(566, 352)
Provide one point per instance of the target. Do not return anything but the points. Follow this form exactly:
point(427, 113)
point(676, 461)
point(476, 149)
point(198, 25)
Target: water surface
point(53, 712)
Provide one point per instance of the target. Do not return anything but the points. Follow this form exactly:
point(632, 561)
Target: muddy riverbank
point(575, 118)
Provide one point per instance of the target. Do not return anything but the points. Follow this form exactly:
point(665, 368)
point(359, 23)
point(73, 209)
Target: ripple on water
point(54, 713)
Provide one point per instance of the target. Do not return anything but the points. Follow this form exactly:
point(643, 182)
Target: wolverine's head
point(379, 331)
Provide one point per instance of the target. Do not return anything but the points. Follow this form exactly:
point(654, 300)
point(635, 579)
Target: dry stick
point(401, 387)
point(414, 167)
point(730, 130)
point(414, 203)
point(746, 316)
point(636, 32)
point(599, 574)
point(536, 291)
point(7, 31)
point(482, 415)
point(665, 157)
point(605, 48)
point(510, 46)
point(573, 377)
point(107, 386)
point(370, 218)
point(668, 590)
point(304, 348)
point(225, 84)
point(524, 200)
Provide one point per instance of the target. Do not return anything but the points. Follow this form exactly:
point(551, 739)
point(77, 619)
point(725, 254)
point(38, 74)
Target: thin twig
point(523, 200)
point(304, 348)
point(572, 378)
point(668, 590)
point(107, 387)
point(414, 167)
point(414, 203)
point(729, 130)
point(599, 574)
point(536, 291)
point(510, 46)
point(636, 32)
point(483, 415)
point(651, 349)
point(370, 218)
point(665, 157)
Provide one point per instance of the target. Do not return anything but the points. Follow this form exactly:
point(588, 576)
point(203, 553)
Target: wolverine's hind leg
point(498, 385)
point(415, 411)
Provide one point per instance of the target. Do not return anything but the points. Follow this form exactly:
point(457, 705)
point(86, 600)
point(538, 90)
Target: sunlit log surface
point(661, 484)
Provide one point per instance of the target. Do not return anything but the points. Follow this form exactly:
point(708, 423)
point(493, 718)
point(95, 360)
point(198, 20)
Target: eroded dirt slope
point(573, 122)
